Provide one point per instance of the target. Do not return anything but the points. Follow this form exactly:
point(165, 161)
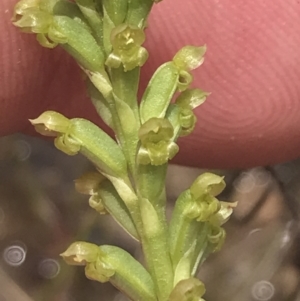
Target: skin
point(252, 68)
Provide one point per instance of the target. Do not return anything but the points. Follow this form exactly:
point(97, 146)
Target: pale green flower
point(157, 146)
point(126, 42)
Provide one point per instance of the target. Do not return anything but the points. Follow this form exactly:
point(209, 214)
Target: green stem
point(125, 87)
point(124, 130)
point(95, 20)
point(156, 250)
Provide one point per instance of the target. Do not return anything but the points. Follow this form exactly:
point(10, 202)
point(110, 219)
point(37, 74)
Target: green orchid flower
point(156, 144)
point(126, 41)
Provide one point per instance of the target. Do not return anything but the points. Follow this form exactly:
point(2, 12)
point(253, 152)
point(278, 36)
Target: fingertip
point(252, 69)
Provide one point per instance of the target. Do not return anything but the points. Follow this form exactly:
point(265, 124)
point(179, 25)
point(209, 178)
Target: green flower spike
point(187, 101)
point(110, 263)
point(191, 289)
point(187, 59)
point(126, 42)
point(156, 144)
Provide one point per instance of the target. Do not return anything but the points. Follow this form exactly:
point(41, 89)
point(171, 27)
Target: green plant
point(105, 37)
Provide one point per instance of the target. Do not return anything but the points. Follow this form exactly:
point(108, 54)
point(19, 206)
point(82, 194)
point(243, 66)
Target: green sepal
point(191, 98)
point(85, 137)
point(126, 44)
point(156, 144)
point(138, 11)
point(22, 6)
point(116, 266)
point(51, 124)
point(159, 92)
point(79, 42)
point(189, 57)
point(207, 183)
point(191, 289)
point(69, 9)
point(116, 10)
point(93, 17)
point(80, 253)
point(125, 86)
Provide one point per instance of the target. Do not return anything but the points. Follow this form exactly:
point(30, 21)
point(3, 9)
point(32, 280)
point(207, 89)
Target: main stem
point(153, 233)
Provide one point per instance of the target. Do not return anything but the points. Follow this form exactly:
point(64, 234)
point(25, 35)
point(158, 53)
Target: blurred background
point(41, 214)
